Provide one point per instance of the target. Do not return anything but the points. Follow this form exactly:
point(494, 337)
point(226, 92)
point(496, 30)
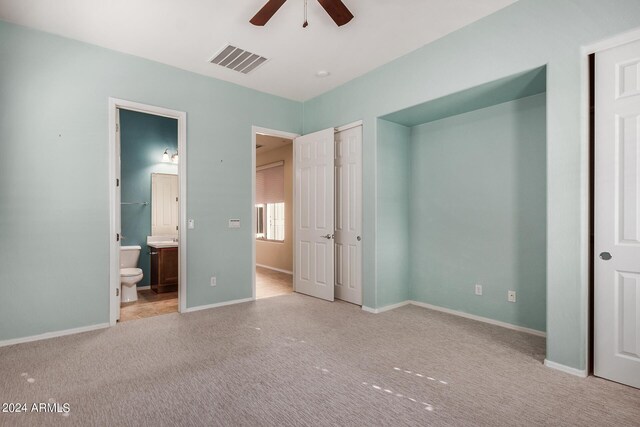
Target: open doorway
point(273, 215)
point(147, 210)
point(317, 231)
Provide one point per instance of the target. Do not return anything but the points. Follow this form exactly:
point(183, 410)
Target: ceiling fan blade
point(267, 11)
point(337, 11)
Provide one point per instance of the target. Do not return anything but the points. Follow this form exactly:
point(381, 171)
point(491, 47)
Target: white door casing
point(314, 214)
point(348, 214)
point(115, 105)
point(115, 293)
point(617, 215)
point(164, 204)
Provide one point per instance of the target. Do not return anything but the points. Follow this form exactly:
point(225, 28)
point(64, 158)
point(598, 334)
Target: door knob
point(359, 238)
point(606, 256)
point(328, 236)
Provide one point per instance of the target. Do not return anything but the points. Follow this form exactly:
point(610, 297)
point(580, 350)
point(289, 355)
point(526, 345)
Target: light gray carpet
point(296, 360)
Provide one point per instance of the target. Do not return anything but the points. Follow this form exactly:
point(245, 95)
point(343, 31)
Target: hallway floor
point(271, 283)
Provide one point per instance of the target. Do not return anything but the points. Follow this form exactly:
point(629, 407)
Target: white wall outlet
point(478, 289)
point(511, 296)
point(191, 224)
point(234, 223)
point(213, 281)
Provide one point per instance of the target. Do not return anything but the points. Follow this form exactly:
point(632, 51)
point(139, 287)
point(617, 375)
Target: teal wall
point(478, 212)
point(143, 139)
point(523, 36)
point(393, 171)
point(54, 214)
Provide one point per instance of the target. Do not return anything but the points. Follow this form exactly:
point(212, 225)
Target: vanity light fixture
point(169, 158)
point(165, 155)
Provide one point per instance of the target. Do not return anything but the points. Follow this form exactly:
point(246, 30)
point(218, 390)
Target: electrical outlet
point(478, 289)
point(511, 296)
point(213, 281)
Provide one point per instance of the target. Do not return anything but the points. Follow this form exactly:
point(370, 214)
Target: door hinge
point(117, 182)
point(117, 292)
point(117, 127)
point(117, 237)
point(176, 199)
point(176, 227)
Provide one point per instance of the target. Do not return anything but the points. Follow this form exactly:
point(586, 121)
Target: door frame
point(272, 132)
point(114, 211)
point(588, 170)
point(255, 130)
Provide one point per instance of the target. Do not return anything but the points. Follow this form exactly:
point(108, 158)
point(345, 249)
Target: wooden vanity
point(164, 268)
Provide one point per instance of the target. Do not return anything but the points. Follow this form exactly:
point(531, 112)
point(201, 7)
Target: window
point(260, 221)
point(270, 221)
point(270, 204)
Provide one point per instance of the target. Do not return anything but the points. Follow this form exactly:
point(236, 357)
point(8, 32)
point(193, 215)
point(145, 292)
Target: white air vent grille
point(237, 59)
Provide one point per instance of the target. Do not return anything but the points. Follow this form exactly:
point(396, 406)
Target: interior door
point(348, 199)
point(164, 204)
point(115, 293)
point(617, 215)
point(313, 211)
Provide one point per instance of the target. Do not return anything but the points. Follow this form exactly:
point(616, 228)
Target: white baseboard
point(566, 369)
point(455, 313)
point(54, 334)
point(143, 288)
point(216, 305)
point(275, 269)
point(480, 319)
point(385, 308)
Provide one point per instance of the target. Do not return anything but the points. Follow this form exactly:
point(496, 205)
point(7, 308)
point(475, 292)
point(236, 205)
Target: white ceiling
point(186, 34)
point(270, 142)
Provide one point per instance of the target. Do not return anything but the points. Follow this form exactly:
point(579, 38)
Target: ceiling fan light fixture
point(336, 9)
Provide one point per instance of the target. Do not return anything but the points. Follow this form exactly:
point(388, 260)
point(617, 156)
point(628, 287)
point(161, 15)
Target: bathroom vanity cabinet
point(164, 269)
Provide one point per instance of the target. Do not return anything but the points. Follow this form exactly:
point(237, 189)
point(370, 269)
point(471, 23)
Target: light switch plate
point(191, 224)
point(234, 223)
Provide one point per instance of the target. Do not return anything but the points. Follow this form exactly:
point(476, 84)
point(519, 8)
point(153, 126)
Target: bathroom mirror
point(164, 204)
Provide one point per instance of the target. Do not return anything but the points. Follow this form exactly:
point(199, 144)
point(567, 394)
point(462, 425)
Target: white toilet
point(130, 274)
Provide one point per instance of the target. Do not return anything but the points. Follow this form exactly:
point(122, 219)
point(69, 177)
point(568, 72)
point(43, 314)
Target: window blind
point(270, 183)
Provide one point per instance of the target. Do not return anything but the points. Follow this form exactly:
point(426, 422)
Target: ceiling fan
point(335, 8)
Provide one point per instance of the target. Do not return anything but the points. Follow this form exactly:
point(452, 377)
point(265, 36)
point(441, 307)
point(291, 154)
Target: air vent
point(237, 59)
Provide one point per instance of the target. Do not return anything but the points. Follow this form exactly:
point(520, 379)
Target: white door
point(115, 293)
point(348, 199)
point(617, 215)
point(313, 212)
point(164, 204)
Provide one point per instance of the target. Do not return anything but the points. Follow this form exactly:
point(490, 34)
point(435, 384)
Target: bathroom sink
point(162, 242)
point(166, 244)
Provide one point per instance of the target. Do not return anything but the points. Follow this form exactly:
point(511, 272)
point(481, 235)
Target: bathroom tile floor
point(149, 304)
point(271, 283)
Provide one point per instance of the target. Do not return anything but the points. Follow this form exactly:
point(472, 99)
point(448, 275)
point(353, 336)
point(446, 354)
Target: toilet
point(130, 274)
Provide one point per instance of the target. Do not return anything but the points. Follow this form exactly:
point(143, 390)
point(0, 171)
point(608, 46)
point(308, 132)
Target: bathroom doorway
point(273, 213)
point(147, 211)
